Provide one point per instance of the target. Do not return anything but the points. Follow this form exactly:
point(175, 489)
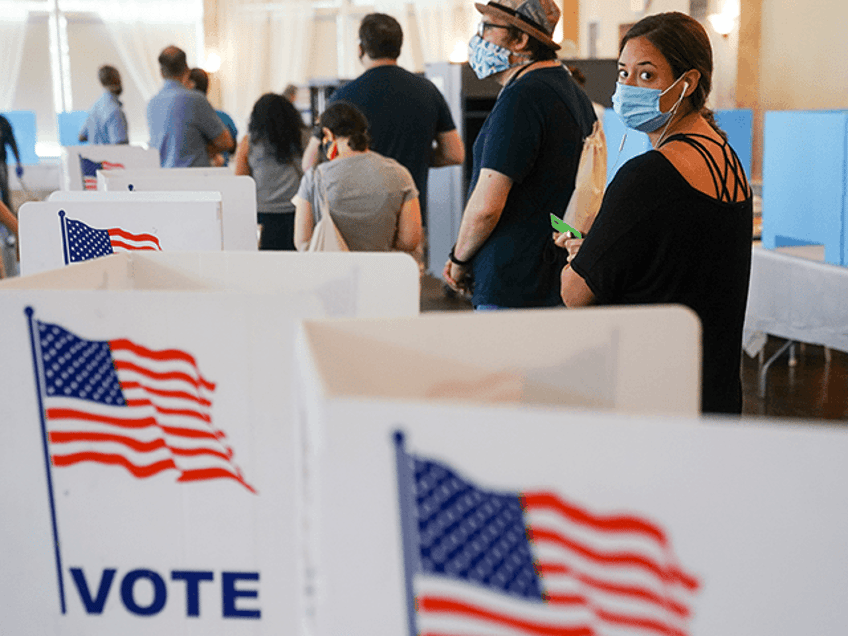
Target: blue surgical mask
point(639, 107)
point(487, 58)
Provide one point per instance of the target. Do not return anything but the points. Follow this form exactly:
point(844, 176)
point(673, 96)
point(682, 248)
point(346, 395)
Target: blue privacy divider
point(23, 125)
point(69, 125)
point(804, 180)
point(738, 123)
point(614, 130)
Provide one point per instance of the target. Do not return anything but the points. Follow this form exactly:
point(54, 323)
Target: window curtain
point(264, 48)
point(444, 26)
point(140, 29)
point(13, 28)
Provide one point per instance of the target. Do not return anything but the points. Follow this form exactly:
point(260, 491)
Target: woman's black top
point(657, 239)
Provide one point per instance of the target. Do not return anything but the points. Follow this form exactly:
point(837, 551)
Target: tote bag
point(325, 236)
point(589, 183)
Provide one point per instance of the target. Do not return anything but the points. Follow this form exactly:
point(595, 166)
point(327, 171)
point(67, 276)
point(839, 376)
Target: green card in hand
point(562, 226)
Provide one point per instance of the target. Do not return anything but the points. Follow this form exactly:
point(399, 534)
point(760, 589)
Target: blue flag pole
point(65, 247)
point(408, 527)
point(37, 362)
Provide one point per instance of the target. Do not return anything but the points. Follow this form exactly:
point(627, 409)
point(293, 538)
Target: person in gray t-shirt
point(271, 153)
point(372, 199)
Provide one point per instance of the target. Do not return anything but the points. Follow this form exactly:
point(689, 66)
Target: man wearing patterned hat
point(525, 159)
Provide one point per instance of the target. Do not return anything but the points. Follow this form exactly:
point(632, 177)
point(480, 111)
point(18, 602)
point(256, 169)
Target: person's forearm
point(478, 223)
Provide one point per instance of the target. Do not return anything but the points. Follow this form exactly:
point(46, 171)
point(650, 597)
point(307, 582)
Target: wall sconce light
point(212, 63)
point(459, 55)
point(726, 20)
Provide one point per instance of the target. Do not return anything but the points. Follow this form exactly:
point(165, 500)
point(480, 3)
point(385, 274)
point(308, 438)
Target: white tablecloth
point(795, 295)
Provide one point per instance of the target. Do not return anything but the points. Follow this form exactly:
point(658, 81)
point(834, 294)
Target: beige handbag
point(325, 236)
point(590, 182)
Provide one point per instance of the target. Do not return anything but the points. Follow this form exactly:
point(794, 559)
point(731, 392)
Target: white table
point(797, 296)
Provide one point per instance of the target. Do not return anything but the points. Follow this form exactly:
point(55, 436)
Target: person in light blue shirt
point(183, 125)
point(199, 80)
point(106, 122)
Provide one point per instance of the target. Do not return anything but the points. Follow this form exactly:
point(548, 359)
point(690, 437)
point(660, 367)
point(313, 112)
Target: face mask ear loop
point(673, 113)
point(620, 148)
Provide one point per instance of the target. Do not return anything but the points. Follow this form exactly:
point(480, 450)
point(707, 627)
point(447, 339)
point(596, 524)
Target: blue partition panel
point(614, 130)
point(738, 124)
point(23, 126)
point(804, 180)
point(69, 125)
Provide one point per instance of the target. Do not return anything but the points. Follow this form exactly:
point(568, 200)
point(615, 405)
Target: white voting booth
point(625, 359)
point(149, 460)
point(81, 163)
point(445, 496)
point(59, 232)
point(238, 196)
point(515, 521)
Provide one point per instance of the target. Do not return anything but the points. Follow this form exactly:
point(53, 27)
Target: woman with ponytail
point(675, 225)
point(372, 199)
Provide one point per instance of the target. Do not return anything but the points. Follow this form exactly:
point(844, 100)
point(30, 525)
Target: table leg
point(765, 367)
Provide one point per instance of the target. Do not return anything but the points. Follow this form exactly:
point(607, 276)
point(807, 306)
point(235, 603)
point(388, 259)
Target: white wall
point(804, 53)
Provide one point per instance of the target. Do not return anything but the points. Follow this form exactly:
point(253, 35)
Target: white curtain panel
point(140, 29)
point(264, 49)
point(443, 26)
point(12, 32)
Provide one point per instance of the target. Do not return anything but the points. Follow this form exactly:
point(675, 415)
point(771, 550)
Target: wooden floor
point(813, 389)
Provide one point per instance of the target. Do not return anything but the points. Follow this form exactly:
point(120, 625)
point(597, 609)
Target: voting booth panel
point(625, 143)
point(645, 359)
point(156, 171)
point(804, 181)
point(57, 233)
point(460, 519)
point(363, 284)
point(23, 127)
point(152, 464)
point(238, 195)
point(121, 197)
point(81, 163)
point(151, 478)
point(69, 124)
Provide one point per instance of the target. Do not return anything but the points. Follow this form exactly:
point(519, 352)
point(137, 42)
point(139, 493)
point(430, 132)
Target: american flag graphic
point(532, 563)
point(119, 403)
point(83, 242)
point(89, 170)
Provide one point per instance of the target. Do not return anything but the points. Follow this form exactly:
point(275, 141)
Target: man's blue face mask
point(639, 107)
point(487, 58)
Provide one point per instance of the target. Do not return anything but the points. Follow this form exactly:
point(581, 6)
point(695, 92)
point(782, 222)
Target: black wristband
point(455, 260)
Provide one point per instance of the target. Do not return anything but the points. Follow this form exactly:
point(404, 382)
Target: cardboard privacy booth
point(81, 163)
point(624, 359)
point(625, 143)
point(622, 143)
point(238, 196)
point(57, 233)
point(149, 461)
point(167, 172)
point(24, 129)
point(69, 124)
point(123, 197)
point(363, 284)
point(804, 181)
point(516, 521)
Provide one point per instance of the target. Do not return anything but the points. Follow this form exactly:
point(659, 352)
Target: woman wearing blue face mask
point(676, 222)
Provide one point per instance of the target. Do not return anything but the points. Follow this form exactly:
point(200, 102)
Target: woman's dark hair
point(274, 119)
point(343, 119)
point(537, 50)
point(685, 45)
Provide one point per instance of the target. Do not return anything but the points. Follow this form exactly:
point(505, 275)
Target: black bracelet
point(455, 260)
